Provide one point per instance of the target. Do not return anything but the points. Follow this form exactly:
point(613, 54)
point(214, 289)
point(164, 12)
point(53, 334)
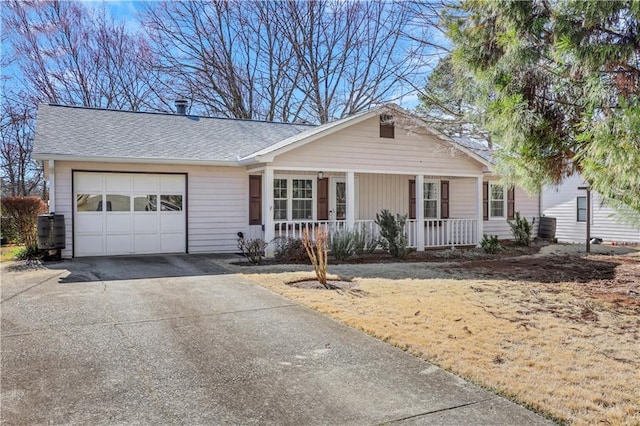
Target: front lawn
point(557, 332)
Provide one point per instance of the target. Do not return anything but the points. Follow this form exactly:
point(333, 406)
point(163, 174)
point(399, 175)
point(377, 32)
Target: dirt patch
point(316, 285)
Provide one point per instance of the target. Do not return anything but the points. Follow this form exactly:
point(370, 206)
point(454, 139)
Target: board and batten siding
point(217, 201)
point(561, 203)
point(359, 147)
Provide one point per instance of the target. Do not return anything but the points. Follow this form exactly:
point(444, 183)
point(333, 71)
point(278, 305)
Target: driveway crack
point(426, 413)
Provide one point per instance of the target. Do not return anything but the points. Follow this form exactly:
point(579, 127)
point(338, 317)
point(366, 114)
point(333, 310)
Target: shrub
point(365, 242)
point(521, 229)
point(24, 211)
point(491, 244)
point(9, 231)
point(289, 250)
point(343, 244)
point(393, 233)
point(316, 248)
point(253, 249)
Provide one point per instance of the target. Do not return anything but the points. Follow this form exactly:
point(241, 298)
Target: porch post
point(267, 208)
point(420, 213)
point(479, 213)
point(52, 187)
point(351, 199)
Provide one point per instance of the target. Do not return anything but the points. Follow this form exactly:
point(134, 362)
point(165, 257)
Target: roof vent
point(181, 106)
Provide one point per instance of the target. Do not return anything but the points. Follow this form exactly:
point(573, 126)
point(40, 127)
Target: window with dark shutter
point(444, 199)
point(412, 199)
point(322, 212)
point(485, 200)
point(511, 203)
point(387, 127)
point(255, 200)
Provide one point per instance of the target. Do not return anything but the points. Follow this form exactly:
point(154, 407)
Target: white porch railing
point(437, 232)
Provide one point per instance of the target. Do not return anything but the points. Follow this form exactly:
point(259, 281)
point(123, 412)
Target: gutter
point(177, 161)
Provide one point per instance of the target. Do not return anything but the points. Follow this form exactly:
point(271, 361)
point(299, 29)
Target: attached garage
point(128, 213)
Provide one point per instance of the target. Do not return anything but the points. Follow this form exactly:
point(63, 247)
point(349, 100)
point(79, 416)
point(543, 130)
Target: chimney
point(181, 106)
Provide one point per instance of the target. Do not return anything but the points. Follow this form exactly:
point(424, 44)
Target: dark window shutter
point(255, 200)
point(511, 203)
point(444, 199)
point(485, 200)
point(323, 199)
point(387, 127)
point(412, 199)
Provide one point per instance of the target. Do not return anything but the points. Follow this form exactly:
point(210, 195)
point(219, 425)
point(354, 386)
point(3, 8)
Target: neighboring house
point(162, 183)
point(568, 205)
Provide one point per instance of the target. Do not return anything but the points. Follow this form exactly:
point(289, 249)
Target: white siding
point(561, 202)
point(217, 201)
point(378, 192)
point(527, 205)
point(359, 147)
point(462, 199)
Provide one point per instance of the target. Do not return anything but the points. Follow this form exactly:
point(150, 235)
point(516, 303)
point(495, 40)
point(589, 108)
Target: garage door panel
point(118, 223)
point(144, 244)
point(89, 182)
point(156, 224)
point(171, 223)
point(119, 244)
point(146, 183)
point(145, 223)
point(172, 184)
point(89, 245)
point(172, 243)
point(116, 182)
point(89, 223)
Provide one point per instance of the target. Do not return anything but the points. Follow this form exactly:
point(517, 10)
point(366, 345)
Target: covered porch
point(442, 211)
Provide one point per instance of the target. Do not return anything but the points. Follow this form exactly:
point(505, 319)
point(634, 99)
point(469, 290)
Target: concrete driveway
point(178, 340)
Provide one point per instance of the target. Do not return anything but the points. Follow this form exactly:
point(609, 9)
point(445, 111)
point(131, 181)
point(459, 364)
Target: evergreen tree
point(564, 86)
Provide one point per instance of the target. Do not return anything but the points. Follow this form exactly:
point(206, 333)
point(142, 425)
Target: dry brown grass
point(552, 347)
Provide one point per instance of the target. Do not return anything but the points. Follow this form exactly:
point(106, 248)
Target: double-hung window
point(581, 209)
point(280, 199)
point(431, 199)
point(292, 199)
point(497, 200)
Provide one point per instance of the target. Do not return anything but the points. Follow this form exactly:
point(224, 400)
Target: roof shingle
point(101, 133)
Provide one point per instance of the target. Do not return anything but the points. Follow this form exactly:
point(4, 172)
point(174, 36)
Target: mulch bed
point(429, 255)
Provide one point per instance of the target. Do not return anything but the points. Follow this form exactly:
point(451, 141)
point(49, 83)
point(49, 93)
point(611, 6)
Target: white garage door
point(129, 213)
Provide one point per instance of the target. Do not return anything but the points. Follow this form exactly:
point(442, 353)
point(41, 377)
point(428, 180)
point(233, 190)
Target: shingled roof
point(77, 132)
point(93, 134)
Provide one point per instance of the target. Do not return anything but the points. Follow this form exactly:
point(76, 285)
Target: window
point(280, 199)
point(302, 200)
point(496, 200)
point(145, 203)
point(171, 203)
point(89, 202)
point(118, 203)
point(293, 199)
point(431, 200)
point(387, 128)
point(581, 209)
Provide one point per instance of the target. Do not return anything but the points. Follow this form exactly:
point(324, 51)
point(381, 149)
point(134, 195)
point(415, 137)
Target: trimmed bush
point(521, 229)
point(24, 211)
point(490, 244)
point(393, 234)
point(289, 250)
